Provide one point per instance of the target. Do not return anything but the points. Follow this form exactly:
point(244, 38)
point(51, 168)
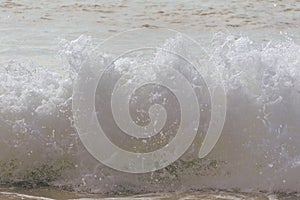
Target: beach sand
point(52, 193)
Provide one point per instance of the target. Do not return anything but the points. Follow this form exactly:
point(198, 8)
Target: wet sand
point(58, 194)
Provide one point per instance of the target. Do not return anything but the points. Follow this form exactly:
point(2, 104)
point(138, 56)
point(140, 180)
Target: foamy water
point(257, 53)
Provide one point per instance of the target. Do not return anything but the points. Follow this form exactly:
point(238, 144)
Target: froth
point(258, 147)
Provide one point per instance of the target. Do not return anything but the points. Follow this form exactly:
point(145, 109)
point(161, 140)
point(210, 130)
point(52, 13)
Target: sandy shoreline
point(49, 193)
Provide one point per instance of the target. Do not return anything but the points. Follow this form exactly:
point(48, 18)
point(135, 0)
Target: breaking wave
point(258, 149)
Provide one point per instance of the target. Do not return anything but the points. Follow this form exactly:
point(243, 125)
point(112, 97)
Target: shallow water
point(33, 30)
point(43, 45)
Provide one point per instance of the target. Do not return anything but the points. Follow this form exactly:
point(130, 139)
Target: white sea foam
point(258, 149)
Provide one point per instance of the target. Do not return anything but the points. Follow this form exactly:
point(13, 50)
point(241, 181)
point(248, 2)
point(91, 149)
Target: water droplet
point(271, 165)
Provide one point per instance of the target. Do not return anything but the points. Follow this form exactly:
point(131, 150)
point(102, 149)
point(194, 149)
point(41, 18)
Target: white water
point(259, 146)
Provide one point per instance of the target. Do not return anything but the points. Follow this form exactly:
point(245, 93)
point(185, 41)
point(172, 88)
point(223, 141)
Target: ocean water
point(255, 45)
